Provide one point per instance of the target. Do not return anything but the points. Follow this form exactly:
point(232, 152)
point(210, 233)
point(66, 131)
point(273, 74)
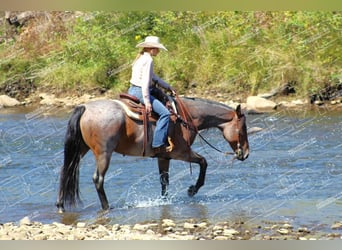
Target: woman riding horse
point(142, 77)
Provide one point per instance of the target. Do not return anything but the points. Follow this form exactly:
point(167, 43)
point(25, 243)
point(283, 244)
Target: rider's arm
point(146, 74)
point(161, 82)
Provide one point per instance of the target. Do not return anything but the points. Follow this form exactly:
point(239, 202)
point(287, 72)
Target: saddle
point(136, 110)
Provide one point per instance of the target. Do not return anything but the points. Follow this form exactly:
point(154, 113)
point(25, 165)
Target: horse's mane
point(207, 101)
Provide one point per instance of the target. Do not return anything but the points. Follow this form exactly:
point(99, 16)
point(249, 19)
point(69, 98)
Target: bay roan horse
point(104, 127)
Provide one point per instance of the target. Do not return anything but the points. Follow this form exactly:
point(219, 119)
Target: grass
point(232, 53)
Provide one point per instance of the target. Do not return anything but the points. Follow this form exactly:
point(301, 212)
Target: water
point(293, 174)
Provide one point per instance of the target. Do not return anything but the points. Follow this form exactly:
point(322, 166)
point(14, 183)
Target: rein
point(213, 147)
point(145, 124)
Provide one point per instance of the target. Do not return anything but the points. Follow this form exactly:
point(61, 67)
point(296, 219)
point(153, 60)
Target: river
point(293, 174)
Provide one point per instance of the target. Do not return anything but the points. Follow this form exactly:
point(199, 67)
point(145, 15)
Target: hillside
point(227, 54)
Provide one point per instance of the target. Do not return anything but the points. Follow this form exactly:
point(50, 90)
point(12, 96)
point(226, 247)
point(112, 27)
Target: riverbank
point(166, 229)
point(252, 104)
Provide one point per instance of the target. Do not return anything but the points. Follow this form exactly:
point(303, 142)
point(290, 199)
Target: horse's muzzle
point(240, 155)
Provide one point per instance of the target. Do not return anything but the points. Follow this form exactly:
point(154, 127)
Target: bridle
point(188, 124)
point(239, 152)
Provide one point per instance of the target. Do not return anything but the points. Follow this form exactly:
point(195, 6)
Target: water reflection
point(69, 218)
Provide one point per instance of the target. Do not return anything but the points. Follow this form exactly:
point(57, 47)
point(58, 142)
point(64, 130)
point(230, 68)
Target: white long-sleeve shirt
point(142, 75)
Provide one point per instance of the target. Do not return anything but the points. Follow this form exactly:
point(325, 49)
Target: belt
point(132, 85)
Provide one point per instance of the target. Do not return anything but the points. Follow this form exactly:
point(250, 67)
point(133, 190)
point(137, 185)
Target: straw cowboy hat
point(151, 42)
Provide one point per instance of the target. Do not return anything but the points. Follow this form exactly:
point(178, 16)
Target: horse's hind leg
point(102, 163)
point(163, 165)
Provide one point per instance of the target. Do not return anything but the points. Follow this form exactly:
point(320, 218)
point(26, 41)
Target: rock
point(115, 227)
point(188, 225)
point(85, 98)
point(260, 104)
point(287, 104)
point(40, 237)
point(47, 99)
point(21, 235)
point(303, 230)
point(337, 225)
point(70, 237)
point(168, 229)
point(218, 228)
point(283, 231)
point(6, 237)
point(230, 232)
point(101, 228)
point(287, 226)
point(202, 225)
point(58, 225)
point(81, 225)
point(168, 223)
point(298, 102)
point(140, 227)
point(220, 237)
point(150, 232)
point(6, 101)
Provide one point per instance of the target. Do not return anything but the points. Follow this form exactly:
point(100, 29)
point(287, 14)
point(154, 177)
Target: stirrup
point(169, 148)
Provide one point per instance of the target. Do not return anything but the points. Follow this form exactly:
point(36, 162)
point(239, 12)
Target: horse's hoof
point(192, 191)
point(61, 210)
point(164, 196)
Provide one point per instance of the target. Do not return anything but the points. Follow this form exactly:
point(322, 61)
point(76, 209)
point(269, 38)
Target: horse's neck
point(207, 114)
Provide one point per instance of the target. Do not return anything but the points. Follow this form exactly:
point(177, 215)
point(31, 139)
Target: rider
point(141, 80)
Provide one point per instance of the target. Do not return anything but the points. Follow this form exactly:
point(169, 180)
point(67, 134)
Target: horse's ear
point(238, 110)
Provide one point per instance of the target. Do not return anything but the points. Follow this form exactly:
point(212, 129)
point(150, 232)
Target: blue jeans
point(162, 126)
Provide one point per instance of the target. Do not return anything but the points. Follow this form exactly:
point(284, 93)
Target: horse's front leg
point(196, 158)
point(163, 165)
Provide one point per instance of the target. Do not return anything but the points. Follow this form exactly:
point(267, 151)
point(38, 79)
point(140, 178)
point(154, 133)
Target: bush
point(227, 52)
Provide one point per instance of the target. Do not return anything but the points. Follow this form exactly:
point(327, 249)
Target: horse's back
point(102, 113)
point(105, 106)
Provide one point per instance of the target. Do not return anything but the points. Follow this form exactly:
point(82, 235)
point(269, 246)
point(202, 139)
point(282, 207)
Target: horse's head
point(235, 132)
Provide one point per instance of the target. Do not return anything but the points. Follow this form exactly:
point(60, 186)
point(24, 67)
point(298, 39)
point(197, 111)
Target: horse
point(104, 127)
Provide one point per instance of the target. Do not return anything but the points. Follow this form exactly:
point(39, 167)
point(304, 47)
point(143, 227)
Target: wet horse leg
point(196, 158)
point(102, 163)
point(163, 165)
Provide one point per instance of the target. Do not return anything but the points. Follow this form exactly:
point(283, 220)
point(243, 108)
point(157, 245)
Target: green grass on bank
point(225, 52)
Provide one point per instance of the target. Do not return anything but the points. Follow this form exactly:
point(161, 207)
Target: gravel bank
point(165, 229)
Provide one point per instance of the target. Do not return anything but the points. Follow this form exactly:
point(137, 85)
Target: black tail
point(73, 145)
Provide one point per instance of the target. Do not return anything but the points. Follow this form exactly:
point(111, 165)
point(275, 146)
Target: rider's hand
point(148, 108)
point(172, 91)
